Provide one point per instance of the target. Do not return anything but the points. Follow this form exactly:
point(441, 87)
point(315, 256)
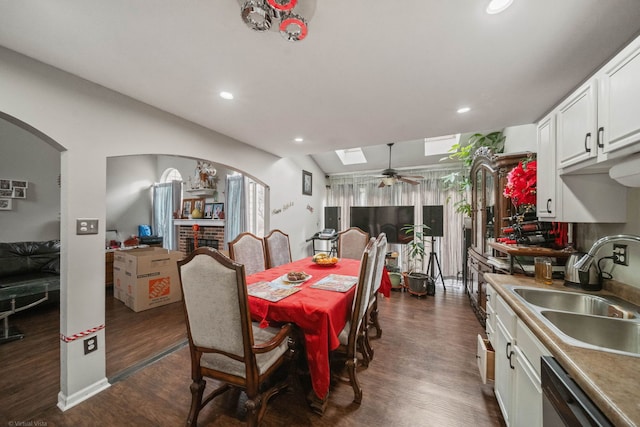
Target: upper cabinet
point(619, 101)
point(599, 122)
point(576, 121)
point(546, 197)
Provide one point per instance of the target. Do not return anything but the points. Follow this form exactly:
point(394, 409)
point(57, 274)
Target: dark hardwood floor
point(423, 374)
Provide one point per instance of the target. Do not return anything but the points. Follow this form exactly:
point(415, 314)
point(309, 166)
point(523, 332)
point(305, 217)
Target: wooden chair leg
point(374, 318)
point(197, 390)
point(357, 390)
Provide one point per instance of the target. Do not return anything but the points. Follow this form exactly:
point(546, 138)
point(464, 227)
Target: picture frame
point(5, 204)
point(188, 205)
point(19, 183)
point(19, 193)
point(6, 193)
point(208, 211)
point(307, 183)
point(5, 184)
point(217, 209)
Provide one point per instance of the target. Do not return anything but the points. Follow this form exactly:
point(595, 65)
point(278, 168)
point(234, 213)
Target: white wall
point(26, 157)
point(128, 195)
point(520, 139)
point(91, 124)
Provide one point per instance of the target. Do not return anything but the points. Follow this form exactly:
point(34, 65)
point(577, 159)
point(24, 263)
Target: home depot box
point(146, 277)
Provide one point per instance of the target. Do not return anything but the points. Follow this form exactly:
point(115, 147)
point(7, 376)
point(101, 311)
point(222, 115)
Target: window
point(171, 174)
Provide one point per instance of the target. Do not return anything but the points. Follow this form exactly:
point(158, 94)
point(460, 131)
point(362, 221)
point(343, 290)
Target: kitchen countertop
point(612, 381)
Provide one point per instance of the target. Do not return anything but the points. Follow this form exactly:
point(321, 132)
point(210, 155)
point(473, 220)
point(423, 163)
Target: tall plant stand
point(431, 267)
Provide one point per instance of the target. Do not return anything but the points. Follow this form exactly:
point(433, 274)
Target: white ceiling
point(370, 72)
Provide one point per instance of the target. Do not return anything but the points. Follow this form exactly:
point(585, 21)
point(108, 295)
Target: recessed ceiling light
point(497, 6)
point(299, 139)
point(226, 95)
point(463, 110)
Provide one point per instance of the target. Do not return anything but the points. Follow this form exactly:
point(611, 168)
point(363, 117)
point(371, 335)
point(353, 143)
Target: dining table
point(319, 313)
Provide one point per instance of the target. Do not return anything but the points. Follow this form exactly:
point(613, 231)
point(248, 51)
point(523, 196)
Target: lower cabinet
point(517, 367)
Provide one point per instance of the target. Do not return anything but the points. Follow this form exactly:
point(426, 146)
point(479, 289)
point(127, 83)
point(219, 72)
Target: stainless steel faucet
point(584, 263)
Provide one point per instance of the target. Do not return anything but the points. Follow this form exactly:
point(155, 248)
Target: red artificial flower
point(521, 184)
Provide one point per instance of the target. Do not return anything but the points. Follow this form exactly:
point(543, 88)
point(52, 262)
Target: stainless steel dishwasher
point(563, 401)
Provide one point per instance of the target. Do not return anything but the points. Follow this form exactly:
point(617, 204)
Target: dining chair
point(351, 243)
point(371, 316)
point(277, 248)
point(248, 249)
point(351, 337)
point(224, 344)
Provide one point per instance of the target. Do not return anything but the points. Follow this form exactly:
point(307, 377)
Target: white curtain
point(353, 190)
point(166, 201)
point(236, 212)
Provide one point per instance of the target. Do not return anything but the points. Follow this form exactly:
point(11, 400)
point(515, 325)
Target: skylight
point(351, 156)
point(440, 144)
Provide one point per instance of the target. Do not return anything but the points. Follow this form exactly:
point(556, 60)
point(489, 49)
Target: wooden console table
point(513, 251)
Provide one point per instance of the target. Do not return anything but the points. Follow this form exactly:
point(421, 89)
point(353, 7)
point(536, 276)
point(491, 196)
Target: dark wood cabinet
point(490, 211)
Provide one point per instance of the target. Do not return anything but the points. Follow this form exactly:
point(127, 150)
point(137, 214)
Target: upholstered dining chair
point(351, 243)
point(248, 249)
point(371, 316)
point(352, 335)
point(277, 248)
point(224, 344)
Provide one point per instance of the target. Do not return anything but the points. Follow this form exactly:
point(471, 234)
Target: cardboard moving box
point(146, 277)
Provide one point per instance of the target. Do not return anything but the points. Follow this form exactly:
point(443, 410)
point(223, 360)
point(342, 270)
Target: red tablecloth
point(320, 314)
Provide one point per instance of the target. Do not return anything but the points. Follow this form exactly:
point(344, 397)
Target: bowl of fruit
point(324, 259)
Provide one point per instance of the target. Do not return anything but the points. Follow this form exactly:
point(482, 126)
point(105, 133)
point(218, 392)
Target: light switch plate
point(86, 226)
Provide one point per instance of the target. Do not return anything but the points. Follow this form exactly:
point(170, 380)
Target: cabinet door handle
point(600, 137)
point(587, 137)
point(548, 203)
point(507, 350)
point(510, 364)
point(509, 354)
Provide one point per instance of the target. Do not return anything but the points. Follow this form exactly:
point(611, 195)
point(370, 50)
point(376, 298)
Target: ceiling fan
point(391, 176)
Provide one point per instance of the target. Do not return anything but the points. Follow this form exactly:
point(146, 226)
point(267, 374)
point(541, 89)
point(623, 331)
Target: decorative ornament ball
point(196, 214)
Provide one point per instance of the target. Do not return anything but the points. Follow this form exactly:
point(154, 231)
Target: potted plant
point(419, 283)
point(461, 181)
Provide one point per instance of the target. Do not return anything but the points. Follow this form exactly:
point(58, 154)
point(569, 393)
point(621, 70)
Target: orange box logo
point(159, 287)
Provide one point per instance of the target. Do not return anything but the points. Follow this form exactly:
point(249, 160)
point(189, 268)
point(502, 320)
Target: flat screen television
point(387, 219)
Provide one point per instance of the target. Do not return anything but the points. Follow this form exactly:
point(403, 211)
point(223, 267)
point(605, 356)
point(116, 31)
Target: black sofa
point(24, 266)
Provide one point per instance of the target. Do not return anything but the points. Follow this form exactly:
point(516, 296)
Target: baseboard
point(68, 402)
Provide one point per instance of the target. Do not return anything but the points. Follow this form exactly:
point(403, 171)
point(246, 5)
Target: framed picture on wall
point(5, 184)
point(306, 183)
point(208, 211)
point(218, 211)
point(19, 193)
point(5, 204)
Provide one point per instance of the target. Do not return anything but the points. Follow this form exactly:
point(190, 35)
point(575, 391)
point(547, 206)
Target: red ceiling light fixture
point(289, 17)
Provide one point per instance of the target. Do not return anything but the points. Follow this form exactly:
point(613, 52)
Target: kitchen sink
point(600, 332)
point(600, 322)
point(573, 302)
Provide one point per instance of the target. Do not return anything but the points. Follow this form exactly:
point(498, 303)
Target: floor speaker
point(432, 216)
point(332, 217)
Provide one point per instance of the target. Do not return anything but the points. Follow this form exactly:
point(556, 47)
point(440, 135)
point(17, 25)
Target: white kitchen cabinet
point(527, 388)
point(504, 368)
point(517, 369)
point(619, 102)
point(546, 192)
point(490, 324)
point(577, 126)
point(586, 197)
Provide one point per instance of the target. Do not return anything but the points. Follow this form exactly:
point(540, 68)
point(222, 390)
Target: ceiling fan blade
point(413, 176)
point(382, 184)
point(408, 181)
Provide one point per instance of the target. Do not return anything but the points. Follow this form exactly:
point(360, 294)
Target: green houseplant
point(418, 282)
point(461, 181)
